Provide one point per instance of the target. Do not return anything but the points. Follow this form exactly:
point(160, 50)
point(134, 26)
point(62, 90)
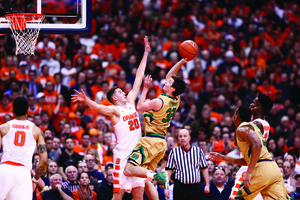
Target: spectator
point(61, 89)
point(106, 190)
point(51, 169)
point(295, 195)
point(33, 107)
point(289, 181)
point(71, 183)
point(218, 191)
point(84, 191)
point(5, 108)
point(93, 173)
point(45, 76)
point(229, 180)
point(53, 155)
point(50, 94)
point(82, 148)
point(98, 165)
point(34, 86)
point(67, 158)
point(56, 192)
point(82, 167)
point(54, 65)
point(68, 72)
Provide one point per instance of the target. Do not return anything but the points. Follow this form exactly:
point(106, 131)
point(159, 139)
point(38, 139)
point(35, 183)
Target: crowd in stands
point(245, 48)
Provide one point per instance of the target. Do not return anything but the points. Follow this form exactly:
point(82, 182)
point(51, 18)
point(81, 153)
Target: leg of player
point(151, 191)
point(138, 193)
point(138, 171)
point(118, 195)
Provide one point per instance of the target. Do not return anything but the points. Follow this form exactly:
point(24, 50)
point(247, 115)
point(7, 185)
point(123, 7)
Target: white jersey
point(127, 129)
point(19, 143)
point(266, 126)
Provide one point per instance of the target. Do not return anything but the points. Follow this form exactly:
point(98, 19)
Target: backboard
point(61, 16)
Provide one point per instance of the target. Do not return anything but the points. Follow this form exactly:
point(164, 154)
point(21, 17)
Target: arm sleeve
point(202, 159)
point(170, 163)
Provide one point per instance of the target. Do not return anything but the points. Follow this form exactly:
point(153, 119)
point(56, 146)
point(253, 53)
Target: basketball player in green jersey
point(157, 115)
point(263, 175)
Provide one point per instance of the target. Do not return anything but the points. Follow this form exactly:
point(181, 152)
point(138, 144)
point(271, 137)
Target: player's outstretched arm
point(42, 151)
point(154, 104)
point(219, 158)
point(132, 95)
point(106, 110)
point(175, 68)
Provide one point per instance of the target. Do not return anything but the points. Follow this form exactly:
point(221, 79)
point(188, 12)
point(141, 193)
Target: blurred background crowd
point(245, 48)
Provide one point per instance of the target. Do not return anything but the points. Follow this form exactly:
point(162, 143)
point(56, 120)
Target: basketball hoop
point(25, 36)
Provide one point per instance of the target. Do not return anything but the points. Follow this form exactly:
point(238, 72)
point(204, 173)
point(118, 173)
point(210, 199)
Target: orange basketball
point(188, 49)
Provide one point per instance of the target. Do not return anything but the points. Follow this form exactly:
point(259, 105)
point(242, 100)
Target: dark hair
point(179, 85)
point(110, 93)
point(79, 175)
point(20, 106)
point(48, 138)
point(58, 74)
point(69, 138)
point(84, 134)
point(266, 102)
point(244, 113)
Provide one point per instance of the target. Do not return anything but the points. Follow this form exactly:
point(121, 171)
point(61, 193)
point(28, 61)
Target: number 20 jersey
point(19, 143)
point(157, 122)
point(127, 129)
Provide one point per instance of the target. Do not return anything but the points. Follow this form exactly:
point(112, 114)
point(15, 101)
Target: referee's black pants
point(187, 191)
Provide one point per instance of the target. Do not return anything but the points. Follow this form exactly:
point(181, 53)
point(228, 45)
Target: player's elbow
point(139, 108)
point(257, 146)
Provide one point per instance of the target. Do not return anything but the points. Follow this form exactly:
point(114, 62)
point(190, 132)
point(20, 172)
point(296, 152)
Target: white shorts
point(238, 180)
point(15, 182)
point(120, 180)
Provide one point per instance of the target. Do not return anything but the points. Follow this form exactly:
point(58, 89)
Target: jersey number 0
point(20, 138)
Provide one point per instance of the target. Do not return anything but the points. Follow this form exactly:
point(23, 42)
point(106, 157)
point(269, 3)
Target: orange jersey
point(36, 110)
point(22, 77)
point(116, 50)
point(43, 79)
point(50, 97)
point(78, 149)
point(62, 114)
point(78, 133)
point(4, 72)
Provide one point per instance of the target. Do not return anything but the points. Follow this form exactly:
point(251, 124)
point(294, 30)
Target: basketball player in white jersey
point(19, 138)
point(259, 107)
point(127, 127)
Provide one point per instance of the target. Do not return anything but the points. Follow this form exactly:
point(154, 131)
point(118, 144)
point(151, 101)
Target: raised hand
point(79, 96)
point(147, 44)
point(147, 82)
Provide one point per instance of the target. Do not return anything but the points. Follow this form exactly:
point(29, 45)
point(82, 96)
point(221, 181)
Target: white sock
point(150, 174)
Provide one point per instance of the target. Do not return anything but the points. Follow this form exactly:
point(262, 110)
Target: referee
point(187, 161)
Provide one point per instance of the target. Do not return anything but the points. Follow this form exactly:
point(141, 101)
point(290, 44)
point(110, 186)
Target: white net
point(25, 36)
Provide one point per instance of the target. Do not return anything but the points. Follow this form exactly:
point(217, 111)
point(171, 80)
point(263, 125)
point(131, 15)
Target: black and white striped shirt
point(187, 165)
point(69, 186)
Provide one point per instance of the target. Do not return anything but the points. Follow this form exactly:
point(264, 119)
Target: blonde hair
point(97, 158)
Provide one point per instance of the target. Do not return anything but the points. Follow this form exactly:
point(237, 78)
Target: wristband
point(34, 180)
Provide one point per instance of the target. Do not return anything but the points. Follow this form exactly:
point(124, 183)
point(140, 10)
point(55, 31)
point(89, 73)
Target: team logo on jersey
point(135, 156)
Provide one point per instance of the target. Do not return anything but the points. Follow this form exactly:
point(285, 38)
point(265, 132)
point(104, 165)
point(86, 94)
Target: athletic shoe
point(162, 178)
